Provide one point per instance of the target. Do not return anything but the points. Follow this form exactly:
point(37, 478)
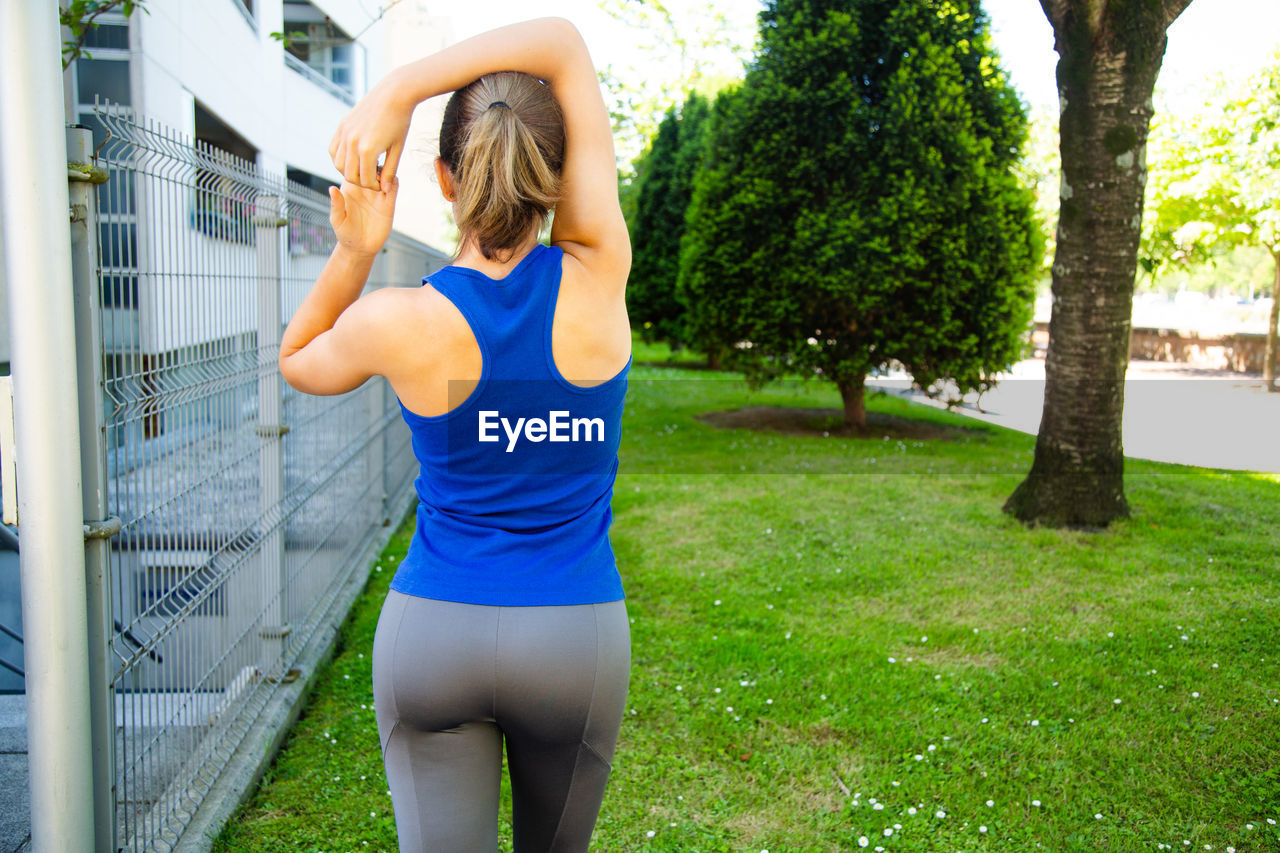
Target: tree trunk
point(1109, 56)
point(852, 394)
point(1269, 359)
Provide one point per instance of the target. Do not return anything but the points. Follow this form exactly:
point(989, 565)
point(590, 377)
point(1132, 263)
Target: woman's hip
point(541, 671)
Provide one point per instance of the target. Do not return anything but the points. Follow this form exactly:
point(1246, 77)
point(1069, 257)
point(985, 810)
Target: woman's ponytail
point(503, 140)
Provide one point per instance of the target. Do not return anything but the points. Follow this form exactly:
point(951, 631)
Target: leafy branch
point(287, 39)
point(81, 16)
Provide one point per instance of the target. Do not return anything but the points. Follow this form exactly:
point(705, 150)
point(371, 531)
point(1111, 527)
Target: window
point(112, 36)
point(309, 230)
point(224, 198)
point(106, 78)
point(320, 48)
point(103, 76)
point(310, 181)
point(212, 131)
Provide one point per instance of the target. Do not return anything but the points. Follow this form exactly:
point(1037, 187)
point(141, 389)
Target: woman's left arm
point(336, 340)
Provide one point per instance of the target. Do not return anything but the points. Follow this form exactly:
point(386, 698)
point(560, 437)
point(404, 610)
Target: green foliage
point(629, 186)
point(287, 39)
point(657, 226)
point(695, 45)
point(1040, 169)
point(80, 16)
point(860, 203)
point(1214, 187)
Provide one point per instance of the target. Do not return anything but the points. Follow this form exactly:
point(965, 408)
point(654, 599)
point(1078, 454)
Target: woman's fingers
point(337, 207)
point(371, 129)
point(338, 150)
point(389, 192)
point(351, 166)
point(369, 168)
point(389, 167)
point(358, 166)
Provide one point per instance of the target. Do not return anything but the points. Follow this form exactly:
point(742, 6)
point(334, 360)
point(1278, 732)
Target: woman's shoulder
point(408, 322)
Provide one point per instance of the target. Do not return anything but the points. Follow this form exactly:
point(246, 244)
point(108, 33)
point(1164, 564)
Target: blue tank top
point(515, 483)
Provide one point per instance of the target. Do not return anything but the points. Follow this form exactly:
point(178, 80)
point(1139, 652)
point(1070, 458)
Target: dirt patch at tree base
point(797, 421)
point(679, 365)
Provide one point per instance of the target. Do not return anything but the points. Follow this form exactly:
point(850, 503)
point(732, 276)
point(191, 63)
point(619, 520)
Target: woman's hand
point(378, 123)
point(361, 218)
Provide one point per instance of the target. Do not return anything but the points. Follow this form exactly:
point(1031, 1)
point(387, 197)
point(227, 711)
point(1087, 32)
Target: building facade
point(264, 82)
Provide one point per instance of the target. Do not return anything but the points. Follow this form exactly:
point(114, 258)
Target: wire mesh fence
point(244, 504)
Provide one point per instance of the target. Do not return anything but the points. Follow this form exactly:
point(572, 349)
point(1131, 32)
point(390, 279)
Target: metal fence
point(244, 505)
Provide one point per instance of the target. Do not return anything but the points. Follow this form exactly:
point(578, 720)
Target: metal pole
point(376, 400)
point(83, 176)
point(42, 324)
point(275, 627)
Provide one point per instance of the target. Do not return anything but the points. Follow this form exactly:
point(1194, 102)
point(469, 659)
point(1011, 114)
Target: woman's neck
point(501, 264)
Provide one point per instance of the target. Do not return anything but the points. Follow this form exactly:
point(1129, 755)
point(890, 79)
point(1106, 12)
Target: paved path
point(1172, 413)
point(15, 804)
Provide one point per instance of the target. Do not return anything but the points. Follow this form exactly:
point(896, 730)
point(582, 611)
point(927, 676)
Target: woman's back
point(504, 164)
point(439, 362)
point(516, 477)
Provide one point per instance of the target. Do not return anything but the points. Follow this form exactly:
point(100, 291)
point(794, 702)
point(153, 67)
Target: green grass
point(657, 353)
point(826, 625)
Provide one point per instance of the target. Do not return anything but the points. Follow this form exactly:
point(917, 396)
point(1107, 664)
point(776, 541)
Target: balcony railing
point(340, 92)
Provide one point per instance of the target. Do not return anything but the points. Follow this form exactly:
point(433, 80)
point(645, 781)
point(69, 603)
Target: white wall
point(210, 51)
point(207, 50)
point(4, 310)
point(411, 34)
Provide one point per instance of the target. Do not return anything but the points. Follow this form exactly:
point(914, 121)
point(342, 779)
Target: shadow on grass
point(792, 420)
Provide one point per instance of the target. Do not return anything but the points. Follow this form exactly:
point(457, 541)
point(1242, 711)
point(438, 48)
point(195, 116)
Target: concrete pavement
point(1172, 412)
point(15, 798)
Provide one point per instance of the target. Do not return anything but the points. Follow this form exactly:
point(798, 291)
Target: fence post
point(41, 316)
point(274, 628)
point(376, 398)
point(93, 472)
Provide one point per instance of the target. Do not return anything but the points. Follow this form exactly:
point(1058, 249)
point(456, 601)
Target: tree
point(691, 46)
point(662, 197)
point(1040, 169)
point(859, 203)
point(1109, 55)
point(1217, 189)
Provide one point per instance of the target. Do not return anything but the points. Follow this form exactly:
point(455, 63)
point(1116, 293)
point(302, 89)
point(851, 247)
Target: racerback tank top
point(515, 483)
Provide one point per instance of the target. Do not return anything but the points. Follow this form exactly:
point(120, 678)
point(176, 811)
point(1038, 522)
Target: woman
point(505, 623)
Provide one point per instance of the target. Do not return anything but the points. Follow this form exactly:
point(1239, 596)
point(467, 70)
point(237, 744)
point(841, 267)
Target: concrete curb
point(239, 780)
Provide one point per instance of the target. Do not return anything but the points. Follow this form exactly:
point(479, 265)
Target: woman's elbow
point(564, 33)
point(288, 364)
point(286, 370)
point(566, 27)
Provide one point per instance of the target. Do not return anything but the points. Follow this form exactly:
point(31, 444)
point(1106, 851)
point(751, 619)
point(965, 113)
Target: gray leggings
point(452, 681)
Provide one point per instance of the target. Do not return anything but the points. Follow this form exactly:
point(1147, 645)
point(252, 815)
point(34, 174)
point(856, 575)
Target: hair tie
point(499, 104)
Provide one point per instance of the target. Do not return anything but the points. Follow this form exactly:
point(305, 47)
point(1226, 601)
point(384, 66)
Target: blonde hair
point(503, 140)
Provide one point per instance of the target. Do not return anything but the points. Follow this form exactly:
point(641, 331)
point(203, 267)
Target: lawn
point(843, 642)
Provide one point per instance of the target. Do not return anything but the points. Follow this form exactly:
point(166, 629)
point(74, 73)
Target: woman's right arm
point(588, 220)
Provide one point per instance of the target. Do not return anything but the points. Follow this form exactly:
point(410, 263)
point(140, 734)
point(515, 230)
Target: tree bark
point(1269, 359)
point(852, 395)
point(1109, 57)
